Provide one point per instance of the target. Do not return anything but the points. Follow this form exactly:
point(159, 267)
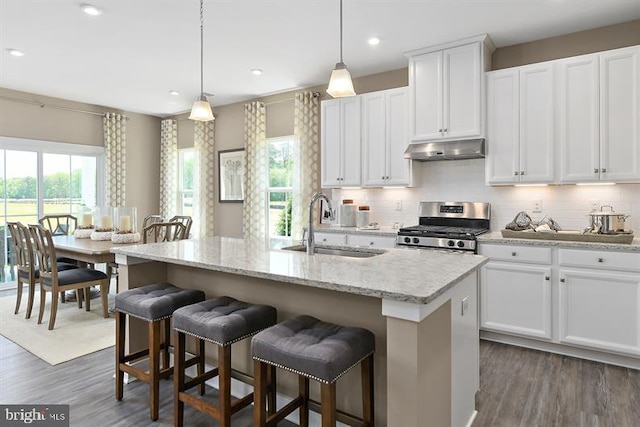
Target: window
point(186, 170)
point(280, 186)
point(41, 177)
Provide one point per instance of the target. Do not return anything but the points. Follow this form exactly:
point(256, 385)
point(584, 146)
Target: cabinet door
point(578, 112)
point(374, 144)
point(425, 81)
point(398, 168)
point(600, 310)
point(371, 241)
point(536, 124)
point(330, 148)
point(516, 298)
point(350, 148)
point(620, 115)
point(330, 238)
point(502, 164)
point(462, 90)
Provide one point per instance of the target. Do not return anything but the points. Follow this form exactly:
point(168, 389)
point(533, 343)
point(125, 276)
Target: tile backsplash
point(463, 180)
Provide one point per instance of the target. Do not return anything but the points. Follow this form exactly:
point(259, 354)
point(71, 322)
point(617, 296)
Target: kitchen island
point(420, 304)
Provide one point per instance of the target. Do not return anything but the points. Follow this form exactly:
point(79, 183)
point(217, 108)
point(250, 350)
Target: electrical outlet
point(398, 205)
point(536, 205)
point(595, 205)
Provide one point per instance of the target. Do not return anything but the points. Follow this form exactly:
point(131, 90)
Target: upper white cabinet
point(384, 138)
point(599, 110)
point(446, 90)
point(520, 125)
point(340, 142)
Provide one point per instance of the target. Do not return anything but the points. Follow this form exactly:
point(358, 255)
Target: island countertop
point(410, 275)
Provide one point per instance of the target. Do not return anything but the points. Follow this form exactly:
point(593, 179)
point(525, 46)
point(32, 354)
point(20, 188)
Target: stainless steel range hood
point(447, 150)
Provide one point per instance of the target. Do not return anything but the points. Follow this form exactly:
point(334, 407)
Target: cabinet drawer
point(517, 253)
point(371, 241)
point(598, 259)
point(331, 238)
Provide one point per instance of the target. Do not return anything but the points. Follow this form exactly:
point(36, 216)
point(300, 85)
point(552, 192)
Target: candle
point(86, 220)
point(125, 223)
point(107, 222)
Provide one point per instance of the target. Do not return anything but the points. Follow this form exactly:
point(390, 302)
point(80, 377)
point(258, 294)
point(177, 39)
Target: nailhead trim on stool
point(312, 349)
point(221, 321)
point(154, 304)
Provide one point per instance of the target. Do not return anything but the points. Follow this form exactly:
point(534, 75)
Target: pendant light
point(340, 84)
point(201, 110)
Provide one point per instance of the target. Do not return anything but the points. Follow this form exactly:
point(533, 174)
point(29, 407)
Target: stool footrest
point(143, 375)
point(142, 353)
point(284, 412)
point(200, 379)
point(341, 416)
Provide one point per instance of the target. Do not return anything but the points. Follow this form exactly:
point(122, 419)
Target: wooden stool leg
point(154, 369)
point(200, 355)
point(271, 390)
point(167, 341)
point(224, 379)
point(178, 378)
point(328, 403)
point(121, 322)
point(303, 391)
point(259, 391)
point(368, 413)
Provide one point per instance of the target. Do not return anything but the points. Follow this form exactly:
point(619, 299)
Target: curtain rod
point(57, 107)
point(315, 95)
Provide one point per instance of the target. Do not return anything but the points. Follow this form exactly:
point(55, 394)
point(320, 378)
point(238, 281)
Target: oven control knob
point(460, 244)
point(416, 240)
point(451, 243)
point(407, 240)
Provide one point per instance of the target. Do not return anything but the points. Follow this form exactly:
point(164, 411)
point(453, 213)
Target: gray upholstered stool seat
point(154, 304)
point(221, 321)
point(312, 349)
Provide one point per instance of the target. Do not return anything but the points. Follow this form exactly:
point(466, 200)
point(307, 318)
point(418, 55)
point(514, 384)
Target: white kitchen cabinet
point(446, 93)
point(385, 138)
point(371, 241)
point(340, 142)
point(599, 110)
point(515, 297)
point(520, 129)
point(330, 238)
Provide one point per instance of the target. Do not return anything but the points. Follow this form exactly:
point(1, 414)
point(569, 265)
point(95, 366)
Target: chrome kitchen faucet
point(310, 239)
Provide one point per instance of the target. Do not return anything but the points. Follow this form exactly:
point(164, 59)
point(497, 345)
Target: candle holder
point(85, 223)
point(102, 223)
point(125, 225)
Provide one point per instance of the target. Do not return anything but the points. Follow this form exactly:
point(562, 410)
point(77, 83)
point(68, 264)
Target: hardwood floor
point(519, 388)
point(529, 388)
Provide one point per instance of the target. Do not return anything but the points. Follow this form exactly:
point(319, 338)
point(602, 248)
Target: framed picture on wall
point(231, 169)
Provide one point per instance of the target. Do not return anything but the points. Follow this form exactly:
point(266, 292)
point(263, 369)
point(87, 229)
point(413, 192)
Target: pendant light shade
point(340, 84)
point(201, 110)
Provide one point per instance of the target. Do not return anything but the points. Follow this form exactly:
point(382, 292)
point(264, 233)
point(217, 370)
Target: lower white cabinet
point(344, 239)
point(330, 238)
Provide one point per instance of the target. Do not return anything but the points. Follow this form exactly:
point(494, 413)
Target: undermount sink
point(340, 251)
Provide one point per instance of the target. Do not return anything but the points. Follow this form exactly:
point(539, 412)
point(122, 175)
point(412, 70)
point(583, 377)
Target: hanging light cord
point(202, 50)
point(341, 61)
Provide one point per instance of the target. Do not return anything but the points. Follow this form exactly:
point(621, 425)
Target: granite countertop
point(382, 231)
point(410, 275)
point(496, 237)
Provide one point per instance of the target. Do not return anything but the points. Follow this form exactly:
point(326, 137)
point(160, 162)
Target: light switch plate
point(536, 206)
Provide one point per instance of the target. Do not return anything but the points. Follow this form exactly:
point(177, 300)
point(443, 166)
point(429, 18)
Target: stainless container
point(607, 222)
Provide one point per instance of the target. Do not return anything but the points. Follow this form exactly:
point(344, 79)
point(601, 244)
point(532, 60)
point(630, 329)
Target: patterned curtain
point(114, 126)
point(306, 159)
point(168, 168)
point(204, 144)
point(255, 173)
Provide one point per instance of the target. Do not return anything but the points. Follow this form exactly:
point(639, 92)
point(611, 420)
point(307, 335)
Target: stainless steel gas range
point(447, 225)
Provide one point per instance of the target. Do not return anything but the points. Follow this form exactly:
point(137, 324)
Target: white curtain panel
point(255, 172)
point(168, 168)
point(306, 158)
point(114, 126)
point(205, 183)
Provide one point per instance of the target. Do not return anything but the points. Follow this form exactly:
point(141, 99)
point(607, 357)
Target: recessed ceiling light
point(174, 92)
point(373, 41)
point(15, 52)
point(90, 9)
point(256, 71)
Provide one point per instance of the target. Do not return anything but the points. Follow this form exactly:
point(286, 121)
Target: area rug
point(76, 332)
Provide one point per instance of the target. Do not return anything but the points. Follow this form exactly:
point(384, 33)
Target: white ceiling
point(132, 55)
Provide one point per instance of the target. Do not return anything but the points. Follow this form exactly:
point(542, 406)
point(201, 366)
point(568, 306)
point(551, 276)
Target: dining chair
point(151, 219)
point(56, 281)
point(186, 220)
point(164, 232)
point(59, 225)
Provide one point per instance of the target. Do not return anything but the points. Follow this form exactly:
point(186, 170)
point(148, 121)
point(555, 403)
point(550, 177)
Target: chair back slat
point(45, 250)
point(151, 219)
point(186, 220)
point(164, 232)
point(59, 225)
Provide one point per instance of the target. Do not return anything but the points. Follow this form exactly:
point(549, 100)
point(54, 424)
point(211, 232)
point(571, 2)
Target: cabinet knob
point(596, 170)
point(445, 130)
point(382, 177)
point(386, 177)
point(513, 254)
point(324, 240)
point(440, 130)
point(515, 173)
point(547, 278)
point(562, 280)
point(521, 172)
point(604, 170)
point(370, 243)
point(600, 259)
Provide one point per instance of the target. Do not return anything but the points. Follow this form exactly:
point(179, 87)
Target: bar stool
point(221, 321)
point(154, 304)
point(312, 349)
